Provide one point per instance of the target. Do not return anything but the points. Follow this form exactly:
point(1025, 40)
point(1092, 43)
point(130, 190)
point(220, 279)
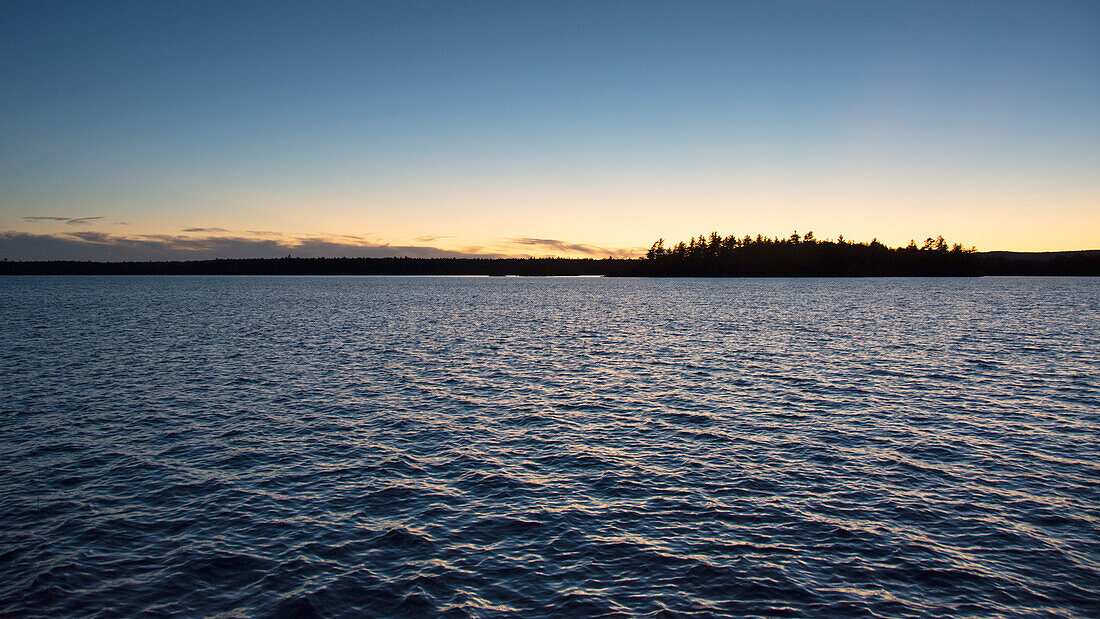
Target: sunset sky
point(153, 130)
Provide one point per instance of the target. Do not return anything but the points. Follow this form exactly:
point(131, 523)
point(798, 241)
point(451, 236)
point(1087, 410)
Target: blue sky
point(446, 128)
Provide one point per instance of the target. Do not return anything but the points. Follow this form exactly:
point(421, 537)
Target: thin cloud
point(205, 230)
point(165, 238)
point(72, 221)
point(561, 246)
point(432, 237)
point(88, 237)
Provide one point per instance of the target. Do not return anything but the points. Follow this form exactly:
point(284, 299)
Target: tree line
point(704, 256)
point(805, 255)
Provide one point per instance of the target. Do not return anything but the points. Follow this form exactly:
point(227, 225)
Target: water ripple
point(549, 447)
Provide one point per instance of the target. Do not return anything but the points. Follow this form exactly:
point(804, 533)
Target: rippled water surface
point(565, 447)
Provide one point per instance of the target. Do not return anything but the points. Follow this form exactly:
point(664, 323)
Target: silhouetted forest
point(804, 256)
point(704, 256)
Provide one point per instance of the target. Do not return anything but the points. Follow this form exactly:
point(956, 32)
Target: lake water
point(562, 447)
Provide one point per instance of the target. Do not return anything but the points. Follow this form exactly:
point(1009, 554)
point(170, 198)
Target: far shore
point(1085, 262)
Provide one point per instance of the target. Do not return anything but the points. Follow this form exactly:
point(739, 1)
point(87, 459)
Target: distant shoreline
point(1084, 262)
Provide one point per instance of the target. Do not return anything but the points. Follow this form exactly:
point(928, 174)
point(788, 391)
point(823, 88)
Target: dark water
point(565, 447)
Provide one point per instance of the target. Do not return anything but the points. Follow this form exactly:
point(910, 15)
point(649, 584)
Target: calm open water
point(566, 447)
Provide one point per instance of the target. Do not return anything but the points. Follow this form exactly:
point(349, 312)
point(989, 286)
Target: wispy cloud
point(87, 237)
point(560, 246)
point(80, 221)
point(72, 221)
point(432, 237)
point(205, 230)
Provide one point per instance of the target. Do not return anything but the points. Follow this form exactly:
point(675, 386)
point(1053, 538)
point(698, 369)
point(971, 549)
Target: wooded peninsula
point(704, 256)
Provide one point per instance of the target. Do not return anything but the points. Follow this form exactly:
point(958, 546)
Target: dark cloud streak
point(72, 221)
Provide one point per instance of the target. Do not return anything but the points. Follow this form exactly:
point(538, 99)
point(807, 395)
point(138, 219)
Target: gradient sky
point(168, 129)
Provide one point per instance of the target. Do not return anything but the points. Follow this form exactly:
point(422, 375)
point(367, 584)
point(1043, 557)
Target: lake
point(549, 446)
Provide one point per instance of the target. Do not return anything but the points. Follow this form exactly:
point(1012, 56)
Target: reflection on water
point(549, 446)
